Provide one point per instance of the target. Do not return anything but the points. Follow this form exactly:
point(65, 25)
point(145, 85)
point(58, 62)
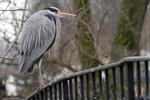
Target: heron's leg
point(41, 82)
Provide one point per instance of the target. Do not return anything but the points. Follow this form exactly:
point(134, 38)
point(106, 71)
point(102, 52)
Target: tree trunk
point(86, 49)
point(127, 39)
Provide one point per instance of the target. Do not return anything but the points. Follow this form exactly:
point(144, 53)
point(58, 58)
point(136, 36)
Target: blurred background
point(103, 31)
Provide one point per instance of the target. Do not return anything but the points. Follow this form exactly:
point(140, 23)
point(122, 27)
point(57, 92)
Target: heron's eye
point(56, 12)
point(53, 10)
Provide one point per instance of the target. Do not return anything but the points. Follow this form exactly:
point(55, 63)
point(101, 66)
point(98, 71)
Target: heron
point(37, 37)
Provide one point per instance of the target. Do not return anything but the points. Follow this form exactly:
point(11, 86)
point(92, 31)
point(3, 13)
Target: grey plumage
point(37, 35)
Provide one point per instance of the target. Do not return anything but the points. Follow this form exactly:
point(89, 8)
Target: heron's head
point(56, 12)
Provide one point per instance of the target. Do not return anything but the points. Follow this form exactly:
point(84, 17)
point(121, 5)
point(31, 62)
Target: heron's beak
point(66, 14)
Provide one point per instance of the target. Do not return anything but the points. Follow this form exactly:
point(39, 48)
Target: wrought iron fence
point(127, 79)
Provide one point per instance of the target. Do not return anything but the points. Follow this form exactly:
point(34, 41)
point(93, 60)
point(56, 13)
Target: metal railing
point(127, 79)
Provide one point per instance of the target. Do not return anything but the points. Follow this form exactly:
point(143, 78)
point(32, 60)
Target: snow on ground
point(11, 88)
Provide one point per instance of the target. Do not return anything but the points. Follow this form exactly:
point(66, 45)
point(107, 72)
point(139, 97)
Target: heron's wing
point(37, 37)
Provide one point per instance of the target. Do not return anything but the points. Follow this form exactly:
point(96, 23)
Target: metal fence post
point(130, 81)
point(82, 87)
point(60, 91)
point(122, 82)
point(147, 80)
point(76, 88)
point(107, 85)
point(65, 90)
point(50, 93)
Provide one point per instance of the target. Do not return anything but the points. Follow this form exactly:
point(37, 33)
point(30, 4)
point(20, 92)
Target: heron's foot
point(40, 86)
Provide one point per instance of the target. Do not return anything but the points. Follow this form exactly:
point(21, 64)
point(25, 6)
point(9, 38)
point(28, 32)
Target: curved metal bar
point(100, 68)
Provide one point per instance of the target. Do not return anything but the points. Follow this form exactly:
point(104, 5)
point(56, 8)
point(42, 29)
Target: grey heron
point(37, 36)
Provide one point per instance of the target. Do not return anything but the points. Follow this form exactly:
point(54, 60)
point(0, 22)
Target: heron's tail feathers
point(25, 66)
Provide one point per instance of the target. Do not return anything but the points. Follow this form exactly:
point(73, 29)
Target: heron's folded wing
point(38, 35)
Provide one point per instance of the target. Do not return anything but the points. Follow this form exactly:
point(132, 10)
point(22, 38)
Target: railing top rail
point(107, 66)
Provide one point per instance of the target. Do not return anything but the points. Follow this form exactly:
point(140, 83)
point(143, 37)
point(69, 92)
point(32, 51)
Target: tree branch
point(9, 48)
point(6, 8)
point(13, 10)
